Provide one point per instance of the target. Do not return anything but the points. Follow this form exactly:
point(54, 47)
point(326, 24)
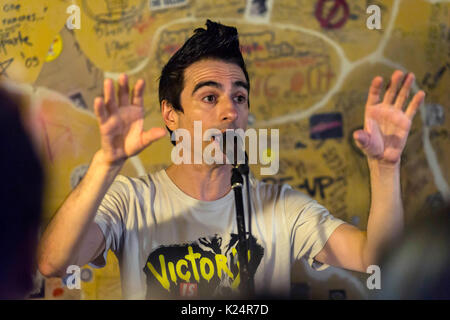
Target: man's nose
point(229, 112)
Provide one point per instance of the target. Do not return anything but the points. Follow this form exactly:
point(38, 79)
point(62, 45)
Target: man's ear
point(170, 115)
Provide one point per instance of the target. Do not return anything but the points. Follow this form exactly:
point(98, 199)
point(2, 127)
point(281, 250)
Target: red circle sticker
point(332, 18)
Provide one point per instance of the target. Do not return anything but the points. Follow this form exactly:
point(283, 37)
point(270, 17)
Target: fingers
point(415, 104)
point(138, 93)
point(152, 135)
point(391, 92)
point(123, 92)
point(404, 91)
point(100, 110)
point(374, 91)
point(110, 99)
point(402, 86)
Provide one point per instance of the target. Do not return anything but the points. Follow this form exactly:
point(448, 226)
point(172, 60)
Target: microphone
point(232, 146)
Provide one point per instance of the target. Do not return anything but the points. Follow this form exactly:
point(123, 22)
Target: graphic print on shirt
point(205, 268)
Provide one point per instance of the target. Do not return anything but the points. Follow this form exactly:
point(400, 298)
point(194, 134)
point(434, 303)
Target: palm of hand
point(389, 129)
point(122, 131)
point(386, 125)
point(121, 121)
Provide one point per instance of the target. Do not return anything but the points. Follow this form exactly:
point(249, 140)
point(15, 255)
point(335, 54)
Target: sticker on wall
point(55, 49)
point(332, 17)
point(325, 126)
point(86, 275)
point(258, 10)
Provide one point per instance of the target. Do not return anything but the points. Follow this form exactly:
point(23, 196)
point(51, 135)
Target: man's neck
point(201, 182)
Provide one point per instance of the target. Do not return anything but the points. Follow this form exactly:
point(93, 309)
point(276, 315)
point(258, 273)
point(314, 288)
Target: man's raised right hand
point(121, 121)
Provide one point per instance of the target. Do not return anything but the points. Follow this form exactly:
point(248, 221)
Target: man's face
point(215, 93)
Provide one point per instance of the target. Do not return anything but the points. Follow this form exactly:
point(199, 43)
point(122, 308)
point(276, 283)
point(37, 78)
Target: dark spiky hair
point(218, 42)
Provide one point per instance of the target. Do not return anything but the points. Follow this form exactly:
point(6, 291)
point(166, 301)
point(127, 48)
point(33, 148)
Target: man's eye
point(240, 99)
point(210, 98)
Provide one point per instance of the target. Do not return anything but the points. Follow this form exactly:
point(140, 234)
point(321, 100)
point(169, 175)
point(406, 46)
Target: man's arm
point(353, 249)
point(386, 128)
point(72, 237)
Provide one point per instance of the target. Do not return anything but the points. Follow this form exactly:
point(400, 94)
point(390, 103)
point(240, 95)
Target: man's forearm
point(386, 218)
point(58, 246)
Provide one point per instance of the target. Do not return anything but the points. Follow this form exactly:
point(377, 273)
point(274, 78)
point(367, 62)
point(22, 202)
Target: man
point(21, 202)
point(174, 231)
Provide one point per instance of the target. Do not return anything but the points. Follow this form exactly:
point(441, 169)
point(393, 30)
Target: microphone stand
point(245, 170)
point(246, 285)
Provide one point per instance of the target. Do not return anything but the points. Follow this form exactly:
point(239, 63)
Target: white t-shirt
point(170, 245)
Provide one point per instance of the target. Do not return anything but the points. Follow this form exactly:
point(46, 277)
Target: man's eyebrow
point(218, 85)
point(241, 84)
point(206, 84)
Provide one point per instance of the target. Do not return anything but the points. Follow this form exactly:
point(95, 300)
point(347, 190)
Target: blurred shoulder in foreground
point(21, 194)
point(418, 267)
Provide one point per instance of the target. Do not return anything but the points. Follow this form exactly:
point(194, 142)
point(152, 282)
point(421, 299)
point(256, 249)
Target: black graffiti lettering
point(4, 66)
point(277, 181)
point(32, 62)
point(14, 41)
point(320, 183)
point(431, 81)
point(11, 7)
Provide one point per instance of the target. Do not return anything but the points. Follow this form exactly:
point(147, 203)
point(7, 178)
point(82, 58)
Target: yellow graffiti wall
point(310, 64)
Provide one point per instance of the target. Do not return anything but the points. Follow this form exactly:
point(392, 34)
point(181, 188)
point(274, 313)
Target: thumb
point(361, 139)
point(152, 135)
